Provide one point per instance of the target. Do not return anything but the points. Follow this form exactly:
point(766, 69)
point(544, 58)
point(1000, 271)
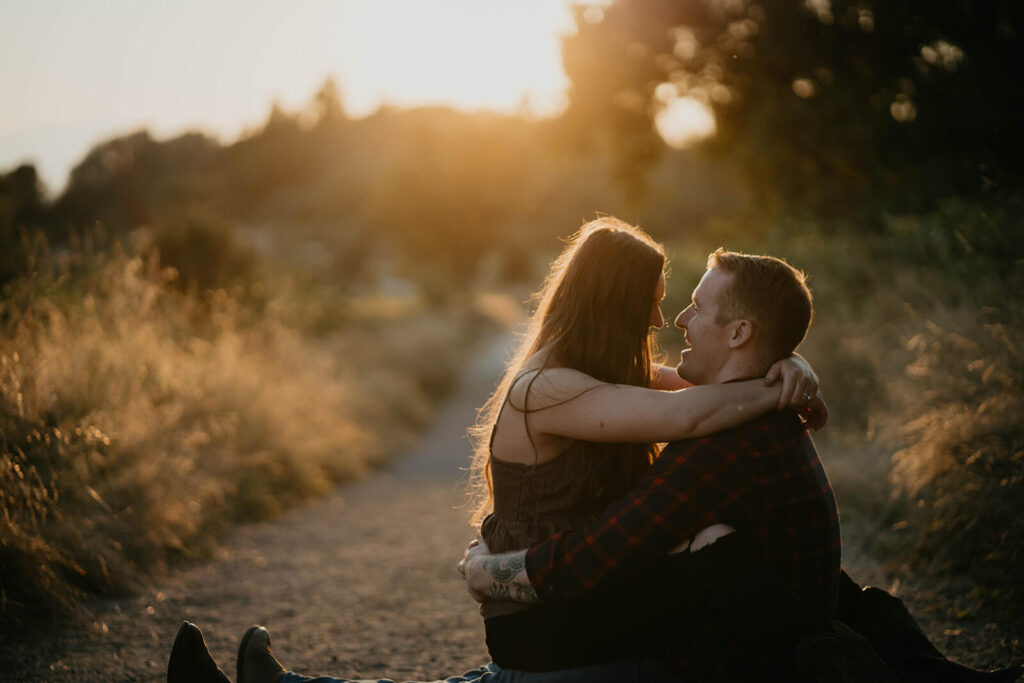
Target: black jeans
point(667, 608)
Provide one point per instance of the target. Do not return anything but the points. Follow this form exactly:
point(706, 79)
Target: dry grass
point(959, 475)
point(137, 421)
point(921, 335)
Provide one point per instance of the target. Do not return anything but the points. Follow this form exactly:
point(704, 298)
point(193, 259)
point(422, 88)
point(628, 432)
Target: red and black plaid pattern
point(763, 477)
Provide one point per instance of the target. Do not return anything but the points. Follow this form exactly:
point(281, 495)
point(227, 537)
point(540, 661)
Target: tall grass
point(959, 474)
point(921, 335)
point(137, 420)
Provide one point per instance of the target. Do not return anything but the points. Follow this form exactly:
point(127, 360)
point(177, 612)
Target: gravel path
point(361, 583)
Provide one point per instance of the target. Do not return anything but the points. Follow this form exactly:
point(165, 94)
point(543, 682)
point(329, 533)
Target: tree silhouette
point(22, 208)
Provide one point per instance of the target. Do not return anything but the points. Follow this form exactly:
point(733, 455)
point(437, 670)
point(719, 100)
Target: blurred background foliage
point(197, 332)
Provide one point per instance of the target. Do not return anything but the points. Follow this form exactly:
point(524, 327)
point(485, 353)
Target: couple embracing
point(601, 557)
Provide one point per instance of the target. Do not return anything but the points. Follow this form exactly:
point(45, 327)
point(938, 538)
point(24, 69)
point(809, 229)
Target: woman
point(575, 419)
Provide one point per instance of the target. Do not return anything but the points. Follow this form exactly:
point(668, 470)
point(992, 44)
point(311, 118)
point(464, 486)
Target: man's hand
point(496, 577)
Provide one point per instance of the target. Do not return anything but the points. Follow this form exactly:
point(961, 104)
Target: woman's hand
point(799, 382)
point(475, 547)
point(815, 412)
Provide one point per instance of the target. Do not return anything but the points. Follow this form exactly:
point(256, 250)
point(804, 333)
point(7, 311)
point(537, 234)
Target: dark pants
point(719, 605)
point(684, 600)
point(638, 669)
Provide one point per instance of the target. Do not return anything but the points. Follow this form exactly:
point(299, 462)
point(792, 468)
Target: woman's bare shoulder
point(539, 388)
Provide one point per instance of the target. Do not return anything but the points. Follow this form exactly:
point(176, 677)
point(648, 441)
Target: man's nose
point(682, 318)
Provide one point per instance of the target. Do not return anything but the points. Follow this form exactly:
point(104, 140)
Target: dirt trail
point(361, 583)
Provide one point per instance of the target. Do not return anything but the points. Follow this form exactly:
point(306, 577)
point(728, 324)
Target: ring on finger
point(807, 397)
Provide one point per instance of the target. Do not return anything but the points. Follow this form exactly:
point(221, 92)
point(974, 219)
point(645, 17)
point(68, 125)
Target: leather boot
point(191, 661)
point(841, 655)
point(890, 628)
point(256, 662)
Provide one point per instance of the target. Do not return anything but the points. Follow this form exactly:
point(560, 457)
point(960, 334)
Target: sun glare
point(683, 121)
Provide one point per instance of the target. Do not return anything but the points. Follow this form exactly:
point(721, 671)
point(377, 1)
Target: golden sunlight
point(683, 121)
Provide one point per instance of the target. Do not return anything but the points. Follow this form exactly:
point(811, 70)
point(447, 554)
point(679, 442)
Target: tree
point(124, 182)
point(21, 209)
point(825, 104)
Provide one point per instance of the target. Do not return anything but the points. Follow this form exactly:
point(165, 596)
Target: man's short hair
point(771, 293)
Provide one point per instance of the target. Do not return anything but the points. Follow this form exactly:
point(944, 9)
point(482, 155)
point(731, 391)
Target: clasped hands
point(475, 553)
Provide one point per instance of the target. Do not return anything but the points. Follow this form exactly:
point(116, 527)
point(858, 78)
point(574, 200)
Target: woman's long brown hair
point(593, 314)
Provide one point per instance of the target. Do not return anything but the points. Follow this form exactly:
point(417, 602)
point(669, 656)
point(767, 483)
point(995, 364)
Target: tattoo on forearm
point(526, 594)
point(504, 570)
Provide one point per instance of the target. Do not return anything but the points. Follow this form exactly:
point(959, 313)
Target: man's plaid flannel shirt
point(763, 477)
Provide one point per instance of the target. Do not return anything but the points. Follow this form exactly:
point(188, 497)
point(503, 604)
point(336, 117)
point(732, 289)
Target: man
point(763, 479)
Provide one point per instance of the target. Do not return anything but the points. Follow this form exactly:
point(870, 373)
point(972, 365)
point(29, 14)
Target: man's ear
point(741, 331)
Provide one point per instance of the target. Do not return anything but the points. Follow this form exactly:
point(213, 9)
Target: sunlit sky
point(75, 72)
